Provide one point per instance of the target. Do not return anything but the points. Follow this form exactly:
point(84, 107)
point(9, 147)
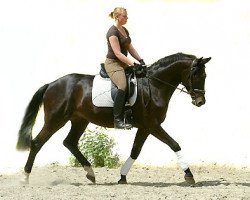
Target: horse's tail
point(25, 132)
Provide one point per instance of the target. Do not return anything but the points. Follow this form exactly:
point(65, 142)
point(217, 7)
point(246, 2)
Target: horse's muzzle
point(199, 101)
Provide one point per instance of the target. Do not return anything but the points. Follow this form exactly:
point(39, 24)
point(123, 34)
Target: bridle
point(192, 91)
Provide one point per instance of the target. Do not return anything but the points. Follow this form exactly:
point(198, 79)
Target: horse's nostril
point(199, 104)
point(199, 101)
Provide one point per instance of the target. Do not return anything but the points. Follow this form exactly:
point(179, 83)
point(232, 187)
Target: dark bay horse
point(70, 99)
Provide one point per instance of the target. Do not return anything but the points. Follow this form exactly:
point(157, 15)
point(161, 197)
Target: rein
point(166, 83)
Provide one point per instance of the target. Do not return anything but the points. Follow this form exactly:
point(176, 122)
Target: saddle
point(104, 91)
point(139, 71)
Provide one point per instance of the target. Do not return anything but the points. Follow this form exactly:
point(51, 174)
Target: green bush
point(97, 147)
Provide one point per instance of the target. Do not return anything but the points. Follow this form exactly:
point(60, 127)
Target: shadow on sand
point(161, 184)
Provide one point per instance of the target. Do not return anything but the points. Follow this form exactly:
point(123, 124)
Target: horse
point(69, 99)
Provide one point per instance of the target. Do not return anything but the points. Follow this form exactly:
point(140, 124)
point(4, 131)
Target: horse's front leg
point(163, 136)
point(140, 138)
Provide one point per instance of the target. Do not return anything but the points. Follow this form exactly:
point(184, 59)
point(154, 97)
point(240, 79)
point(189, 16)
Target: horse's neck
point(164, 83)
point(169, 78)
point(171, 75)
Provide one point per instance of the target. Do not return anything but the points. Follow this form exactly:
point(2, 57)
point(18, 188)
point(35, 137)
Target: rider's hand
point(136, 65)
point(140, 70)
point(142, 62)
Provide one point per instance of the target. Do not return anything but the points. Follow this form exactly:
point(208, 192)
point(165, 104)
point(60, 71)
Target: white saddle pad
point(101, 92)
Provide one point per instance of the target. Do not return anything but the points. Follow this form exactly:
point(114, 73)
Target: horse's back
point(66, 89)
point(69, 81)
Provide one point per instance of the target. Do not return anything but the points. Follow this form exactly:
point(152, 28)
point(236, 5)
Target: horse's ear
point(205, 60)
point(199, 60)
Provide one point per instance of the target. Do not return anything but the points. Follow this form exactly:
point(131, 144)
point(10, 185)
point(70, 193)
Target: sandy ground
point(144, 182)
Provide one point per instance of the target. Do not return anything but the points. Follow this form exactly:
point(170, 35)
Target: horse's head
point(194, 81)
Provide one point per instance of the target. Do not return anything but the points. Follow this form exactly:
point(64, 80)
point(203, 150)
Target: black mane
point(171, 59)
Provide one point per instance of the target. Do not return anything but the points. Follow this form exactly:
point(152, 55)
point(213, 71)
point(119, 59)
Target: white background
point(41, 41)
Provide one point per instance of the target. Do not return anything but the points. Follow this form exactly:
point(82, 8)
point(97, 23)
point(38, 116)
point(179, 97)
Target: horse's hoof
point(91, 178)
point(122, 182)
point(90, 173)
point(24, 182)
point(25, 179)
point(190, 180)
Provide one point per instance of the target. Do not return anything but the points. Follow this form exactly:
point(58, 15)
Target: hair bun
point(111, 14)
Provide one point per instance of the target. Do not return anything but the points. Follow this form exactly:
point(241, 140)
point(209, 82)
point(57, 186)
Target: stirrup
point(119, 124)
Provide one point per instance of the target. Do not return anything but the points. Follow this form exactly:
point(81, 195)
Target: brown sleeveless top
point(123, 41)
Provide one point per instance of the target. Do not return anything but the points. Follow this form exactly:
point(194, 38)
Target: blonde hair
point(116, 12)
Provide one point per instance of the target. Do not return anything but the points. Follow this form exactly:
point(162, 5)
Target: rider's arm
point(114, 42)
point(133, 52)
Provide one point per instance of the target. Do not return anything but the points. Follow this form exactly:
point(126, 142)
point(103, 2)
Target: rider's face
point(123, 17)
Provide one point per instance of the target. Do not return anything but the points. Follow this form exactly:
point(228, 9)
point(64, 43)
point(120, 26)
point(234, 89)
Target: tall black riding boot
point(119, 104)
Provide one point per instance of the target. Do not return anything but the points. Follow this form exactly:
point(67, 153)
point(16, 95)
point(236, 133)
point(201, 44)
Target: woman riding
point(119, 44)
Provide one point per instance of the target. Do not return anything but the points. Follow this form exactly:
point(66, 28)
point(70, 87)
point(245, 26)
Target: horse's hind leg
point(161, 134)
point(36, 144)
point(71, 141)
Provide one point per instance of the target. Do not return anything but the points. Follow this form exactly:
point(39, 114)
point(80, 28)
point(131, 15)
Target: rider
point(119, 44)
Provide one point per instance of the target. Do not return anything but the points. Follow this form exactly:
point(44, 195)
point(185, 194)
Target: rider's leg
point(116, 73)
